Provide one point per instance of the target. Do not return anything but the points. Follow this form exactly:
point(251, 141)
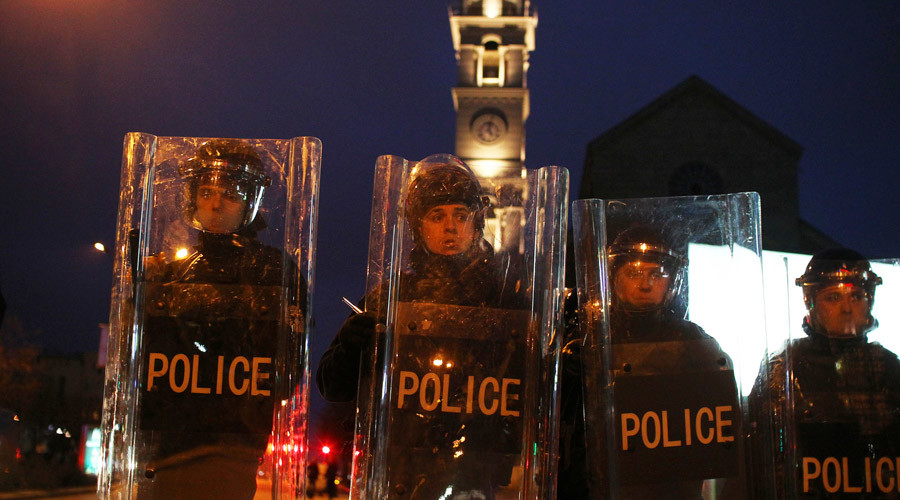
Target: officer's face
point(219, 209)
point(841, 310)
point(641, 285)
point(448, 229)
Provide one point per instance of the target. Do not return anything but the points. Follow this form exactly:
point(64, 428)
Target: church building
point(695, 140)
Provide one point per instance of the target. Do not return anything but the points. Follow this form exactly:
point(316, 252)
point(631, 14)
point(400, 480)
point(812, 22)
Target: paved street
point(82, 493)
point(90, 494)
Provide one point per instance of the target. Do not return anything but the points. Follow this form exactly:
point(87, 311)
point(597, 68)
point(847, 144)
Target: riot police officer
point(217, 306)
point(652, 343)
point(834, 392)
point(450, 263)
point(452, 267)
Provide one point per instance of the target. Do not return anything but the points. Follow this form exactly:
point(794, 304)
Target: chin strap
point(812, 329)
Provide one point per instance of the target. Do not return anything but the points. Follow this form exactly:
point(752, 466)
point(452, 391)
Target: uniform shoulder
point(689, 330)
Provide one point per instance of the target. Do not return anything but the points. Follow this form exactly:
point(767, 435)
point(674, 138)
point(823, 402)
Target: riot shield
point(834, 384)
point(207, 371)
point(460, 400)
point(671, 309)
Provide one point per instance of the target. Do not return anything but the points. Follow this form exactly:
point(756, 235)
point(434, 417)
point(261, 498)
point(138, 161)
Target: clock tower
point(492, 40)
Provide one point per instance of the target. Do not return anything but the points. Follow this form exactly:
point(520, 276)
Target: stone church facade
point(695, 140)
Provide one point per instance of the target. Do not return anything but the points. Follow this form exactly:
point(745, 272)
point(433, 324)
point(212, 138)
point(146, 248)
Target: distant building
point(493, 40)
point(695, 140)
point(71, 390)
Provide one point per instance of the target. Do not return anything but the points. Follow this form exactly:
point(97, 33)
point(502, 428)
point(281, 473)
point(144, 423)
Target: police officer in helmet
point(844, 390)
point(645, 272)
point(450, 263)
point(223, 188)
point(210, 445)
point(650, 338)
point(839, 292)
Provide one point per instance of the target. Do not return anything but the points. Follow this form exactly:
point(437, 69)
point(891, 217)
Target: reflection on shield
point(204, 316)
point(208, 358)
point(457, 399)
point(846, 430)
point(676, 412)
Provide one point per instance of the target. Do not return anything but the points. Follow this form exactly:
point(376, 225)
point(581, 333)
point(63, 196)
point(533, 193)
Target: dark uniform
point(460, 308)
point(659, 345)
point(215, 318)
point(572, 471)
point(474, 279)
point(651, 346)
point(843, 399)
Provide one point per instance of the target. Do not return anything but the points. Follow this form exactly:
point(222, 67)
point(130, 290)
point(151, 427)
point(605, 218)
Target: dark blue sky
point(372, 78)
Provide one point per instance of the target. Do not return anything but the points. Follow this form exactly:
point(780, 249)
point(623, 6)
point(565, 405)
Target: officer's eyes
point(233, 195)
point(837, 297)
point(228, 194)
point(440, 217)
point(637, 273)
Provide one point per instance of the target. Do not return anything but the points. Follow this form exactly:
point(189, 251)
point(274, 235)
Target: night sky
point(372, 78)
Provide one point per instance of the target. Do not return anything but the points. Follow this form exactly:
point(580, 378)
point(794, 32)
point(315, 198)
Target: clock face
point(488, 128)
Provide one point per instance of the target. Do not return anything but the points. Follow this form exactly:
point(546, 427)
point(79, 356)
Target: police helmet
point(834, 267)
point(442, 179)
point(228, 163)
point(645, 244)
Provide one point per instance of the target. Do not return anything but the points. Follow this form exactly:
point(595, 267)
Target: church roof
point(694, 85)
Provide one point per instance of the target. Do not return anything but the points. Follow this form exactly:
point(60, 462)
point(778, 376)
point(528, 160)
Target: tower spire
point(492, 40)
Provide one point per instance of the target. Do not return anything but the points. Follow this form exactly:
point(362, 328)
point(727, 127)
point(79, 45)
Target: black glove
point(357, 331)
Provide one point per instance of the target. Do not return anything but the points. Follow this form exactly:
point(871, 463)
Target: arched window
point(695, 178)
point(491, 62)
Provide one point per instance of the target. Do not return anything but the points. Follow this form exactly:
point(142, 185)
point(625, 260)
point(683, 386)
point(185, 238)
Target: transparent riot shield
point(834, 384)
point(671, 308)
point(460, 401)
point(207, 372)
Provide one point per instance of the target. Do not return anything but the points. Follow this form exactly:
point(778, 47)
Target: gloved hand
point(357, 331)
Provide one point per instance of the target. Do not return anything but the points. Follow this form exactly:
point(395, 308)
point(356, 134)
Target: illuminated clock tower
point(493, 39)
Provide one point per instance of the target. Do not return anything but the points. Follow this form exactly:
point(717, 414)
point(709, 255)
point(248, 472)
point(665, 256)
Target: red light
point(326, 449)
